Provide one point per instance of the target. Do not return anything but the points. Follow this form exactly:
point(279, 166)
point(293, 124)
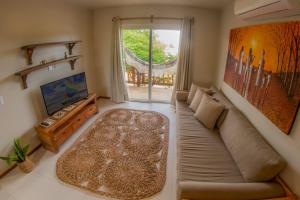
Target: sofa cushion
point(202, 155)
point(197, 99)
point(208, 111)
point(181, 95)
point(256, 159)
point(192, 93)
point(230, 191)
point(218, 95)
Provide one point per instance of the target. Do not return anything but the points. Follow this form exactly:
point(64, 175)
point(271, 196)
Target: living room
point(138, 65)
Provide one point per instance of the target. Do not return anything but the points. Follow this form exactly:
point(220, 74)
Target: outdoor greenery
point(19, 154)
point(137, 41)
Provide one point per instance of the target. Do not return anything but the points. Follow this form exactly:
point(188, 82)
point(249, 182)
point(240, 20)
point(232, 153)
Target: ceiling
point(213, 4)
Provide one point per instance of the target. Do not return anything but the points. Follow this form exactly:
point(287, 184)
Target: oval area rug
point(122, 155)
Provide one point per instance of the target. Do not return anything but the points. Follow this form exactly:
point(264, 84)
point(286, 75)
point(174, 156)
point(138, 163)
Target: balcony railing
point(138, 79)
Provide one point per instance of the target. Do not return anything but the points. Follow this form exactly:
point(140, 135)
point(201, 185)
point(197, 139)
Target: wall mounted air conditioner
point(263, 9)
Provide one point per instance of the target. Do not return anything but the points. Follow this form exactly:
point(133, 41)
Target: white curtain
point(183, 74)
point(119, 89)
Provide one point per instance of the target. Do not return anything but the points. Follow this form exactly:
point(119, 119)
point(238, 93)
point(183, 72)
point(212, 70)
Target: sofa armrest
point(230, 191)
point(181, 95)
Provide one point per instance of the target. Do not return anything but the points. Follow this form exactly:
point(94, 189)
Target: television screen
point(64, 92)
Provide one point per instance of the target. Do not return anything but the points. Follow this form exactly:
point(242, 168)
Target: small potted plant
point(20, 156)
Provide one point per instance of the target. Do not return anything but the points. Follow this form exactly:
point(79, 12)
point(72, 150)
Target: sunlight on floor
point(159, 93)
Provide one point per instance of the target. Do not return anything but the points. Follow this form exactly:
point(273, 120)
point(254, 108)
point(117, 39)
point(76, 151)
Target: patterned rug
point(122, 155)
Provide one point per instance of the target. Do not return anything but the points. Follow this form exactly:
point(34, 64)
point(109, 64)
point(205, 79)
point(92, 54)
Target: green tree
point(137, 41)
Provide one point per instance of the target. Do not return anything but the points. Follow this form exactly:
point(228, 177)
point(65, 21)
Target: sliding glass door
point(136, 49)
point(164, 63)
point(150, 57)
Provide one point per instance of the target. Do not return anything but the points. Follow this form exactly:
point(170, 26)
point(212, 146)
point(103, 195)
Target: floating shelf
point(24, 73)
point(30, 48)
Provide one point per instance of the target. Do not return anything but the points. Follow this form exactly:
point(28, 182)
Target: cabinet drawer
point(78, 121)
point(63, 134)
point(92, 109)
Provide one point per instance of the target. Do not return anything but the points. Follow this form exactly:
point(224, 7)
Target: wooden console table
point(58, 132)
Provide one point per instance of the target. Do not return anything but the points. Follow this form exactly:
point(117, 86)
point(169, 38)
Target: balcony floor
point(159, 93)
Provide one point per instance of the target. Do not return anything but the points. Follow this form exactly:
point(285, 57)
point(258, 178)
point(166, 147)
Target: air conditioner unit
point(260, 9)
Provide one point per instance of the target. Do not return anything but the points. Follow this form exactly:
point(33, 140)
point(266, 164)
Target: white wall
point(205, 30)
point(35, 21)
point(287, 146)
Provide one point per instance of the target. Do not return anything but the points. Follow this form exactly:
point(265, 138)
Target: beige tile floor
point(159, 93)
point(43, 184)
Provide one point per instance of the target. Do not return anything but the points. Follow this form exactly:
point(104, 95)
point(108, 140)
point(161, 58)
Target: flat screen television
point(64, 92)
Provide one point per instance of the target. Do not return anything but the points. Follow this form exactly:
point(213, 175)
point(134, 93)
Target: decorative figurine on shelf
point(66, 56)
point(20, 156)
point(43, 62)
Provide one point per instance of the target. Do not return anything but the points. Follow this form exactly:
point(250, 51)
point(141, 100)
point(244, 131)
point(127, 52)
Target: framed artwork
point(263, 66)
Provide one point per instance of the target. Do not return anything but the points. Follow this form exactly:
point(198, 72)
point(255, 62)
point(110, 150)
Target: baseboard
point(103, 97)
point(15, 165)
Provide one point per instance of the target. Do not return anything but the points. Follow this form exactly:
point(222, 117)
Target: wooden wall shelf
point(30, 48)
point(24, 73)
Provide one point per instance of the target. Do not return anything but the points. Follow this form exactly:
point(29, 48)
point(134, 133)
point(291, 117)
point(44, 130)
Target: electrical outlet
point(1, 100)
point(50, 68)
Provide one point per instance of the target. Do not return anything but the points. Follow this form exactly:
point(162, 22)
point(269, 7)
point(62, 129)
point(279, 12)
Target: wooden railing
point(140, 79)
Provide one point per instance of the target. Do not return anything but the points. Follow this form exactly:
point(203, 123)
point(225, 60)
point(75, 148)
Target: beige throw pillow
point(192, 93)
point(197, 99)
point(255, 158)
point(208, 111)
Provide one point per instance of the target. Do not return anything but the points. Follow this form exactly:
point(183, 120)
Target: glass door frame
point(150, 65)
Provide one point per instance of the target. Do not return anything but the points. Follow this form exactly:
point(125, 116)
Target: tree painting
point(263, 66)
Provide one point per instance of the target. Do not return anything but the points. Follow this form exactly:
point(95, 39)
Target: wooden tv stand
point(57, 133)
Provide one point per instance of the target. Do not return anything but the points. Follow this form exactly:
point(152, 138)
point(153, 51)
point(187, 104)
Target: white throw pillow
point(197, 99)
point(192, 93)
point(208, 111)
